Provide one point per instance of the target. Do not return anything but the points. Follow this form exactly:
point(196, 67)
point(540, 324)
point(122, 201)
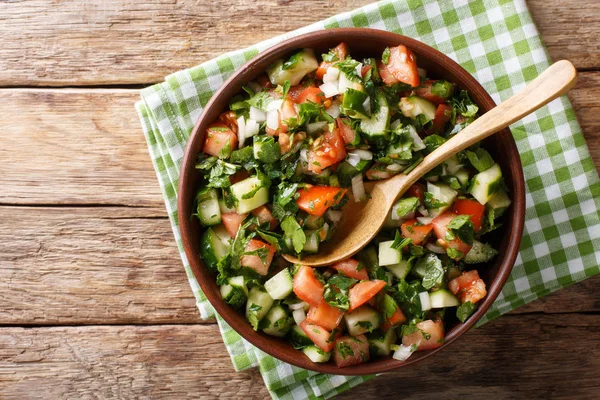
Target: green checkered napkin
point(497, 42)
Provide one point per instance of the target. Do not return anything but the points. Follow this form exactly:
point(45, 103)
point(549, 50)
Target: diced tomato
point(439, 226)
point(416, 190)
point(386, 75)
point(418, 233)
point(265, 215)
point(469, 287)
point(424, 91)
point(328, 149)
point(378, 172)
point(397, 318)
point(318, 335)
point(365, 69)
point(470, 207)
point(341, 50)
point(239, 176)
point(350, 268)
point(325, 315)
point(307, 287)
point(315, 200)
point(435, 332)
point(313, 94)
point(218, 137)
point(230, 119)
point(372, 302)
point(288, 110)
point(403, 66)
point(264, 81)
point(351, 350)
point(232, 222)
point(363, 291)
point(442, 115)
point(294, 92)
point(346, 131)
point(254, 261)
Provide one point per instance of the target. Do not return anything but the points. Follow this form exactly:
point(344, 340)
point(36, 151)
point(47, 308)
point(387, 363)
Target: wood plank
point(191, 361)
point(123, 42)
point(85, 146)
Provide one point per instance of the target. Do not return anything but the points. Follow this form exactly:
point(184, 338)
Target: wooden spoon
point(362, 220)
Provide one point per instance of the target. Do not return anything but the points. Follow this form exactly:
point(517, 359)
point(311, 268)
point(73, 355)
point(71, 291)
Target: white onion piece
point(435, 248)
point(252, 128)
point(332, 75)
point(334, 215)
point(297, 306)
point(358, 69)
point(395, 124)
point(273, 119)
point(358, 188)
point(257, 114)
point(425, 220)
point(395, 167)
point(405, 217)
point(274, 105)
point(315, 127)
point(329, 89)
point(363, 154)
point(417, 141)
point(333, 110)
point(353, 159)
point(425, 301)
point(299, 316)
point(454, 168)
point(424, 211)
point(241, 131)
point(255, 86)
point(403, 352)
point(304, 155)
point(422, 72)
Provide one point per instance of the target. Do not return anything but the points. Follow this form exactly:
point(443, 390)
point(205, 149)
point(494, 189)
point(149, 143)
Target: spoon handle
point(552, 83)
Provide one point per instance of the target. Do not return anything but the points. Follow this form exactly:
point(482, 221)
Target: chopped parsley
point(465, 310)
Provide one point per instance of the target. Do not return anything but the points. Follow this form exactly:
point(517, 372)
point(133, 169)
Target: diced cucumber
point(356, 104)
point(425, 301)
point(222, 234)
point(212, 249)
point(451, 165)
point(266, 149)
point(499, 202)
point(443, 298)
point(399, 270)
point(298, 338)
point(463, 177)
point(235, 292)
point(294, 69)
point(323, 177)
point(368, 256)
point(277, 322)
point(258, 305)
point(441, 193)
point(388, 255)
point(280, 286)
point(376, 127)
point(414, 106)
point(363, 319)
point(480, 253)
point(223, 207)
point(486, 183)
point(346, 172)
point(312, 241)
point(316, 355)
point(380, 342)
point(334, 181)
point(208, 209)
point(250, 194)
point(313, 222)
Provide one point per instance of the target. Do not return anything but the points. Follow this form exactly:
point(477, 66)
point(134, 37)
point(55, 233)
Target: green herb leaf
point(348, 68)
point(431, 202)
point(389, 306)
point(442, 89)
point(406, 205)
point(400, 242)
point(293, 61)
point(385, 57)
point(454, 254)
point(434, 272)
point(480, 159)
point(465, 310)
point(344, 350)
point(462, 227)
point(292, 230)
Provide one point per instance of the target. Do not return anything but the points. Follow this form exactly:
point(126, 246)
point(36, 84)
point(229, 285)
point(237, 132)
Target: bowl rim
point(260, 340)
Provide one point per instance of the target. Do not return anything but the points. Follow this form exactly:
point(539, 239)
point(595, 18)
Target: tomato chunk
point(351, 268)
point(348, 134)
point(416, 190)
point(232, 222)
point(433, 330)
point(469, 287)
point(327, 150)
point(386, 75)
point(325, 315)
point(397, 318)
point(341, 50)
point(254, 261)
point(424, 91)
point(439, 226)
point(220, 141)
point(313, 94)
point(442, 115)
point(307, 287)
point(470, 207)
point(318, 335)
point(351, 350)
point(264, 216)
point(418, 233)
point(315, 200)
point(403, 65)
point(363, 291)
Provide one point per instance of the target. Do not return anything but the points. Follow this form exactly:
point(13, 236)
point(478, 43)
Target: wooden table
point(94, 302)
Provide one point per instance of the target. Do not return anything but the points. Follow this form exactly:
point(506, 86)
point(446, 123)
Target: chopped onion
point(353, 159)
point(255, 87)
point(273, 119)
point(395, 167)
point(325, 229)
point(252, 128)
point(329, 89)
point(304, 155)
point(417, 141)
point(332, 75)
point(363, 154)
point(274, 105)
point(424, 211)
point(334, 215)
point(333, 110)
point(454, 169)
point(422, 72)
point(425, 301)
point(315, 127)
point(297, 306)
point(358, 188)
point(257, 114)
point(395, 124)
point(435, 248)
point(367, 105)
point(425, 220)
point(358, 69)
point(403, 352)
point(241, 131)
point(299, 316)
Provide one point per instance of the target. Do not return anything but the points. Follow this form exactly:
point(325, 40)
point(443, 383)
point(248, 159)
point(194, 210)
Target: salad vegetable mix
point(277, 169)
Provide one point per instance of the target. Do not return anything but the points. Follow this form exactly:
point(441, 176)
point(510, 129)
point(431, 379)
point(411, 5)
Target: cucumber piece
point(399, 270)
point(222, 234)
point(451, 165)
point(313, 222)
point(443, 194)
point(252, 188)
point(235, 292)
point(258, 305)
point(388, 255)
point(499, 202)
point(356, 104)
point(223, 207)
point(486, 183)
point(294, 69)
point(208, 209)
point(480, 253)
point(334, 181)
point(323, 177)
point(346, 172)
point(376, 127)
point(463, 177)
point(380, 342)
point(277, 322)
point(316, 355)
point(443, 298)
point(414, 106)
point(420, 267)
point(280, 286)
point(298, 338)
point(312, 241)
point(363, 319)
point(266, 149)
point(368, 256)
point(212, 249)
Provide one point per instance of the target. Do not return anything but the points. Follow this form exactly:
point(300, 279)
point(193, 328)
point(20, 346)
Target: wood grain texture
point(190, 361)
point(125, 42)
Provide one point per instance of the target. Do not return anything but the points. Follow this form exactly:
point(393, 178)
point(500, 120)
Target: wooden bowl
point(362, 42)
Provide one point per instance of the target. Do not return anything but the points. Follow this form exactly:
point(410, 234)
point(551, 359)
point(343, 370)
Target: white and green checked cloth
point(497, 42)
